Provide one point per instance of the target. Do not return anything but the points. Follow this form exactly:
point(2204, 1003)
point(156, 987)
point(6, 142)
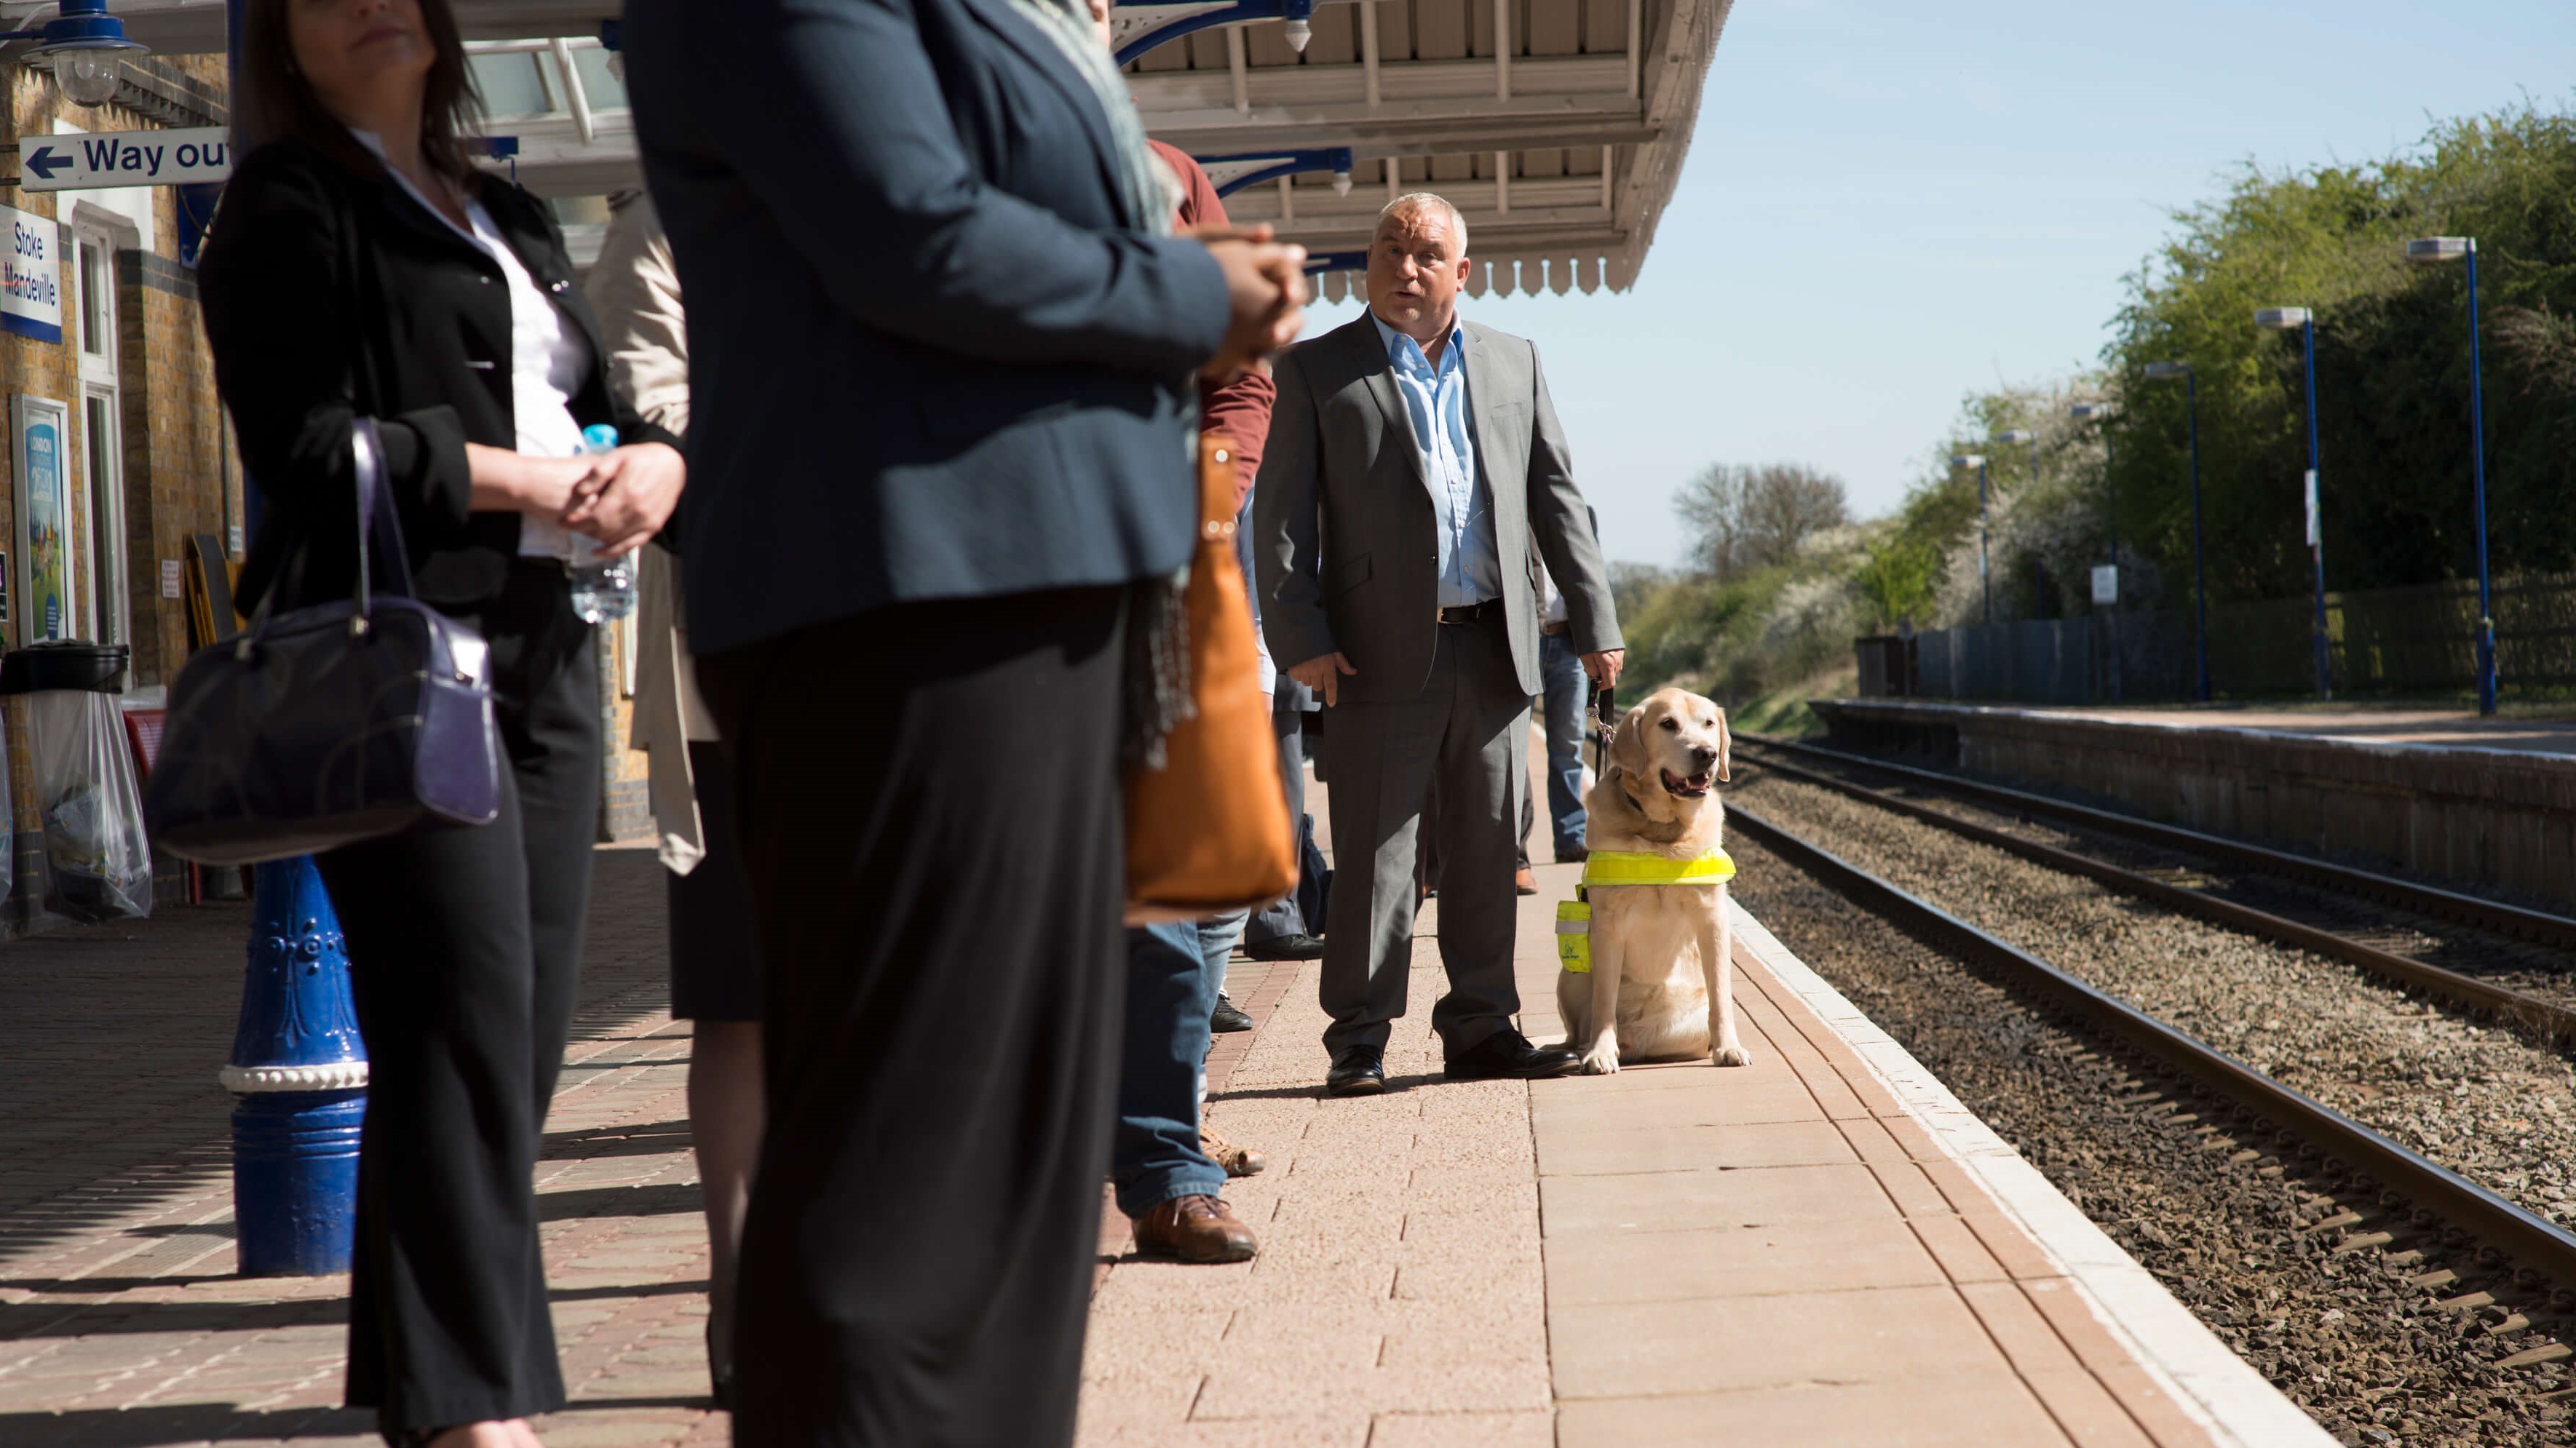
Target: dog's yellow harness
point(1626, 867)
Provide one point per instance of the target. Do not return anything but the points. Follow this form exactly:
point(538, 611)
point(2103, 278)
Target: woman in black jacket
point(361, 268)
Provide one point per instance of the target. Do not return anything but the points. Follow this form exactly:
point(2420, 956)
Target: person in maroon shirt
point(1166, 1166)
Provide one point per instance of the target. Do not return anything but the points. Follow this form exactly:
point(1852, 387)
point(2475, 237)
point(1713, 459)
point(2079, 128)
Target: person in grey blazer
point(1414, 463)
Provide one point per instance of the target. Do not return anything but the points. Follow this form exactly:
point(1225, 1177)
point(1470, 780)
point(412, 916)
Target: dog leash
point(1601, 706)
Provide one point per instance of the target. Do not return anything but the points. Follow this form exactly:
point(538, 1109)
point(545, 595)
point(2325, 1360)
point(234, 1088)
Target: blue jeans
point(1217, 935)
point(1560, 671)
point(1155, 1154)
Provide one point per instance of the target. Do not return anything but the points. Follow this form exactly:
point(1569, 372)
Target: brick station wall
point(180, 477)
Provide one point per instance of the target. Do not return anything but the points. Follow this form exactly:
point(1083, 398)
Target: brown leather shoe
point(1238, 1161)
point(1195, 1229)
point(1525, 882)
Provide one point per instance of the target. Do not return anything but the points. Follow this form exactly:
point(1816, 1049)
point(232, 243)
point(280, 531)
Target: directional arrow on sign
point(44, 162)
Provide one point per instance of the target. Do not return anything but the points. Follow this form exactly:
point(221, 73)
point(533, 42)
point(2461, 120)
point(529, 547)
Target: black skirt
point(715, 969)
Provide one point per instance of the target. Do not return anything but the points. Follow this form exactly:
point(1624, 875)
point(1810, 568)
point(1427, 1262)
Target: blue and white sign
point(31, 276)
point(124, 158)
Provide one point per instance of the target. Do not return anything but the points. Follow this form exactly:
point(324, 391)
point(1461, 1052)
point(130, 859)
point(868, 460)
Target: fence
point(2419, 640)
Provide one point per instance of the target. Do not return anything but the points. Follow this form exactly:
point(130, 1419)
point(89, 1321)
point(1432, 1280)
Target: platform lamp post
point(2165, 372)
point(298, 1071)
point(2102, 412)
point(1978, 461)
point(2465, 248)
point(2014, 437)
point(2283, 319)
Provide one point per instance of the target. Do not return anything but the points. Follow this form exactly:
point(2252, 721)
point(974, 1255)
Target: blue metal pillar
point(299, 1076)
point(299, 1069)
point(2316, 507)
point(2199, 572)
point(2478, 473)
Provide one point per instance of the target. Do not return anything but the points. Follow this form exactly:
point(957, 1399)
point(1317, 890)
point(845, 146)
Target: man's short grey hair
point(1413, 201)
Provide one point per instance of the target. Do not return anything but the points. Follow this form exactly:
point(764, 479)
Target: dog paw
point(1731, 1056)
point(1600, 1063)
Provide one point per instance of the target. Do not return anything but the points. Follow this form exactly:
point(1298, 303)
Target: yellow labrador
point(1661, 954)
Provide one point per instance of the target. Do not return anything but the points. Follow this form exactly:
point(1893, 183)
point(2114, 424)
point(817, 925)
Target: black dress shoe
point(1228, 1017)
point(1286, 947)
point(1507, 1055)
point(1358, 1071)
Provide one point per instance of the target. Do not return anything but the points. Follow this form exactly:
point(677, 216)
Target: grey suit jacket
point(1347, 538)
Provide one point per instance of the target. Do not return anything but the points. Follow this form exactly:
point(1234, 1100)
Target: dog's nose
point(1703, 756)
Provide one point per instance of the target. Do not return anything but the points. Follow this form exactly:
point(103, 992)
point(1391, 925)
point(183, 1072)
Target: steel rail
point(2349, 1145)
point(2545, 1018)
point(2538, 926)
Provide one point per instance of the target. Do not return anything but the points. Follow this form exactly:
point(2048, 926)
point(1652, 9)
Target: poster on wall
point(31, 276)
point(44, 518)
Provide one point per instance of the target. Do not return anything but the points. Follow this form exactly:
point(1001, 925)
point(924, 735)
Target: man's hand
point(1323, 674)
point(1603, 666)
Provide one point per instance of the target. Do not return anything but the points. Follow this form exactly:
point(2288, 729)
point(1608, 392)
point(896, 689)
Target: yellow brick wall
point(178, 472)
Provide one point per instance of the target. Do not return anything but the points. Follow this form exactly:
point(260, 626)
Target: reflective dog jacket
point(1626, 867)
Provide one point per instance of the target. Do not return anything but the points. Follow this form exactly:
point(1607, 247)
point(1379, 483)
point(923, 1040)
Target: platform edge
point(2229, 1398)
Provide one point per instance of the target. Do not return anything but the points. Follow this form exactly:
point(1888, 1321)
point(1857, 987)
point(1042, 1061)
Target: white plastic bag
point(100, 865)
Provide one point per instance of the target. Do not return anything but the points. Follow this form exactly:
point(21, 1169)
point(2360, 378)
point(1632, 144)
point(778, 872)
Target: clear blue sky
point(1890, 203)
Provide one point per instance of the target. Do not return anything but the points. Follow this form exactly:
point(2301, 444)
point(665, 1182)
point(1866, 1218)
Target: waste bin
point(99, 866)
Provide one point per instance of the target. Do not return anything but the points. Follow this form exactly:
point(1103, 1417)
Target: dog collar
point(1634, 867)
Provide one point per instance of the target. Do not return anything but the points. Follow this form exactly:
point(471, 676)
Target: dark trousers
point(1171, 988)
point(929, 805)
point(465, 952)
point(1463, 741)
point(1301, 911)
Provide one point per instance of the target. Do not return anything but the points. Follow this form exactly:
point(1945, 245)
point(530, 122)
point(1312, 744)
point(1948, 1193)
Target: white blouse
point(548, 357)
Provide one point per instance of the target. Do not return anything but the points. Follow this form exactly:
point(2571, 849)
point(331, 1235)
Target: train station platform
point(1820, 1248)
point(2445, 794)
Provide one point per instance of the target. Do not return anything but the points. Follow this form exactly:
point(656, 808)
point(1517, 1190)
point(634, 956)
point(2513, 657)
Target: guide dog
point(1661, 954)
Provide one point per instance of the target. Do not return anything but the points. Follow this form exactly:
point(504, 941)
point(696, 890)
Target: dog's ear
point(1725, 745)
point(1628, 744)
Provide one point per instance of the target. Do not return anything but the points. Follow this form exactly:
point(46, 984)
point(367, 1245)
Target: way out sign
point(124, 158)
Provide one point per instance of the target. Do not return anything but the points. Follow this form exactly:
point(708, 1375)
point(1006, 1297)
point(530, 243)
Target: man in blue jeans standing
point(1165, 1183)
point(1560, 670)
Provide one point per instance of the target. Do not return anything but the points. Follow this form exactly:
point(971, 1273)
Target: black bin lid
point(65, 665)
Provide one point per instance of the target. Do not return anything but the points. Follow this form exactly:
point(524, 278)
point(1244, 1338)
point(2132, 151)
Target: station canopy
point(1558, 127)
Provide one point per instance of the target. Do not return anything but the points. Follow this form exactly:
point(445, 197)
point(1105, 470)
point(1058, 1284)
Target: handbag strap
point(367, 446)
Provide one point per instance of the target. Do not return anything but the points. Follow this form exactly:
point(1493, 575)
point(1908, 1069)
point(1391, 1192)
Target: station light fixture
point(2017, 435)
point(1968, 460)
point(2465, 248)
point(84, 45)
point(2166, 371)
point(2304, 322)
point(2093, 411)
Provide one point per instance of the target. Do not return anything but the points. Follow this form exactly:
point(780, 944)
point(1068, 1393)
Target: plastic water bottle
point(602, 588)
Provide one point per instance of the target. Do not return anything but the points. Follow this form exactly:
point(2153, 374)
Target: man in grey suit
point(1414, 460)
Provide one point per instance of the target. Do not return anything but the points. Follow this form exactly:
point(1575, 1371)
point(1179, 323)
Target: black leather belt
point(1553, 629)
point(1472, 612)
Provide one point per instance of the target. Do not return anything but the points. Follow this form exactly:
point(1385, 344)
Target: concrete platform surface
point(2352, 723)
point(1820, 1248)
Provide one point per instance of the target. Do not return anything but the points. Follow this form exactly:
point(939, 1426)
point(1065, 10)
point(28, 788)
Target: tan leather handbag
point(1209, 831)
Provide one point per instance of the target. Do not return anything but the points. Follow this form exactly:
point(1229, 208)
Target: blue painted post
point(2478, 472)
point(2316, 510)
point(299, 1078)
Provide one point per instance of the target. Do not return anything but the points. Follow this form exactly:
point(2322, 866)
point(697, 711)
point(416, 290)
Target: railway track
point(2346, 1145)
point(2331, 910)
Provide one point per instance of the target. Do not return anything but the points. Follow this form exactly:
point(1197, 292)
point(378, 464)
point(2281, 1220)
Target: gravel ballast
point(2243, 1239)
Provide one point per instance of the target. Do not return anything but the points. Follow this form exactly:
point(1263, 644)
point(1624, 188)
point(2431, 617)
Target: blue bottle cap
point(598, 437)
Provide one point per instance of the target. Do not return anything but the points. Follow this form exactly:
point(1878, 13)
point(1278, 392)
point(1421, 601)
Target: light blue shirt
point(1471, 569)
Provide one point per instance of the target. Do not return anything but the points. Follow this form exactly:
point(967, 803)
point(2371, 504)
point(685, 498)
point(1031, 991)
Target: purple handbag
point(332, 724)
